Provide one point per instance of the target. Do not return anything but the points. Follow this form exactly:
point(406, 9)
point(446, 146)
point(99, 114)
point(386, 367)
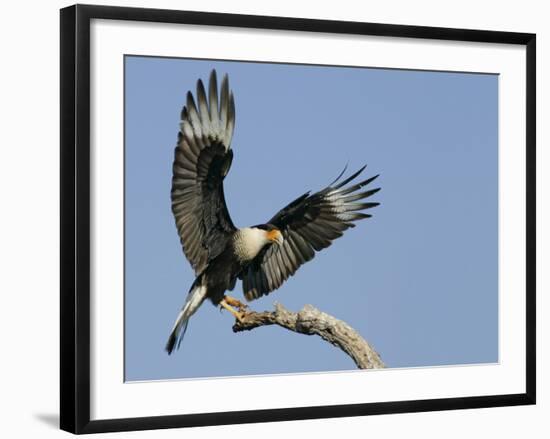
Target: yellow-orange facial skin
point(275, 236)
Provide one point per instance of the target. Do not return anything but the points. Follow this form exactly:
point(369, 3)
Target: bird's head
point(271, 233)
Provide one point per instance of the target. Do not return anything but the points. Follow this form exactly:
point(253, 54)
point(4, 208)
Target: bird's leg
point(238, 315)
point(236, 303)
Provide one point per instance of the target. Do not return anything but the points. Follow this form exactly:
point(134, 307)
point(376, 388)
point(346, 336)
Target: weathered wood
point(311, 321)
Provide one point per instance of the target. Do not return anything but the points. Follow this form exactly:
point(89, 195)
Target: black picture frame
point(75, 217)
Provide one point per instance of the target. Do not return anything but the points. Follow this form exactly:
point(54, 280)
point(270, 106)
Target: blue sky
point(419, 280)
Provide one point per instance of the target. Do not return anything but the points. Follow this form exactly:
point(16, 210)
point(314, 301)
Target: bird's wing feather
point(201, 161)
point(309, 224)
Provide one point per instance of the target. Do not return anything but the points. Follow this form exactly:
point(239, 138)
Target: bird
point(262, 256)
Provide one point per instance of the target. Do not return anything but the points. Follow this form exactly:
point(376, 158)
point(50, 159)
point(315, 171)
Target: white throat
point(249, 241)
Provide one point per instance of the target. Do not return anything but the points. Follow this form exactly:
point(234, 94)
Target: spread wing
point(202, 160)
point(308, 224)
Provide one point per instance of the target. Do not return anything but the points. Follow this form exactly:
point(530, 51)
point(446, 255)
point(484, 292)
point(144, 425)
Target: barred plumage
point(201, 161)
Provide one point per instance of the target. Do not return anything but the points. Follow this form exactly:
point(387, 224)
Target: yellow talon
point(235, 302)
point(238, 315)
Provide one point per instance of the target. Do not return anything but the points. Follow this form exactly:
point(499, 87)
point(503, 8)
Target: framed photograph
point(273, 218)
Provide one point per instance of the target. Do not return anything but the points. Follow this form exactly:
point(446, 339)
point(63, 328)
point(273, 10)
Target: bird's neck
point(248, 242)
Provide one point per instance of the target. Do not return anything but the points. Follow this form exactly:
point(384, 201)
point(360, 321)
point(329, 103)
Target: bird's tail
point(195, 297)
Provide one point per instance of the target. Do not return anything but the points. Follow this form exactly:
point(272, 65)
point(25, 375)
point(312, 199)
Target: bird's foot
point(239, 315)
point(243, 307)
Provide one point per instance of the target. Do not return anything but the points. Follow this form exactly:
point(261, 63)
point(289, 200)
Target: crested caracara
point(261, 256)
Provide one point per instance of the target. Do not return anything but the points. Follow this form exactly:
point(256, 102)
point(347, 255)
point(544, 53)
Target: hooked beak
point(276, 236)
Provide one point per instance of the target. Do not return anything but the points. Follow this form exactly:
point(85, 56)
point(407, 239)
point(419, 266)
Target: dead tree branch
point(309, 320)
